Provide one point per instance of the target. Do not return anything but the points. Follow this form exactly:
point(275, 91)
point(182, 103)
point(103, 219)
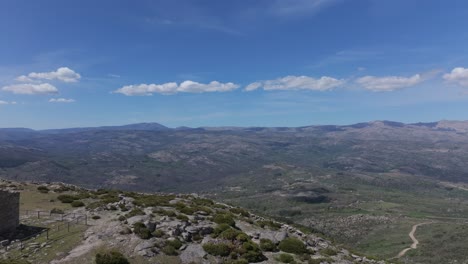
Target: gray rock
point(144, 245)
point(138, 218)
point(194, 253)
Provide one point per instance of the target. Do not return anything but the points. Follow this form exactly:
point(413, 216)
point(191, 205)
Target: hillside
point(156, 228)
point(355, 184)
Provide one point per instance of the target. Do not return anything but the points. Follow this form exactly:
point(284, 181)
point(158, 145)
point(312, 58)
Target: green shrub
point(182, 217)
point(43, 189)
point(319, 261)
point(170, 250)
point(270, 224)
point(229, 234)
point(242, 237)
point(328, 252)
point(151, 200)
point(224, 219)
point(174, 243)
point(252, 252)
point(56, 211)
point(158, 233)
point(286, 258)
point(77, 204)
point(217, 249)
point(188, 210)
point(94, 205)
point(122, 218)
point(141, 230)
point(267, 245)
point(13, 261)
point(135, 212)
point(66, 198)
point(220, 228)
point(293, 245)
point(110, 198)
point(239, 211)
point(111, 257)
point(203, 202)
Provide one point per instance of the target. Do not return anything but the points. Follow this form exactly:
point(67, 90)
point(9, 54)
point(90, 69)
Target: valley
point(363, 186)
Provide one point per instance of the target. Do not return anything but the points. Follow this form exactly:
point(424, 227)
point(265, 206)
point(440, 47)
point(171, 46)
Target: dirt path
point(415, 241)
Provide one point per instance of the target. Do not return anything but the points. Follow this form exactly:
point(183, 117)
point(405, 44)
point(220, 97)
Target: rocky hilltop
point(167, 228)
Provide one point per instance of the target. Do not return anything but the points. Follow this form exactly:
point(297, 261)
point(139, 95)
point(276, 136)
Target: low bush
point(219, 229)
point(66, 198)
point(217, 249)
point(174, 243)
point(252, 252)
point(182, 217)
point(135, 212)
point(270, 224)
point(239, 211)
point(96, 217)
point(328, 252)
point(230, 234)
point(170, 251)
point(267, 245)
point(77, 204)
point(141, 230)
point(224, 219)
point(43, 189)
point(111, 257)
point(292, 245)
point(286, 258)
point(56, 211)
point(158, 233)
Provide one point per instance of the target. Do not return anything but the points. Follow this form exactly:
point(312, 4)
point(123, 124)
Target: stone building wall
point(9, 211)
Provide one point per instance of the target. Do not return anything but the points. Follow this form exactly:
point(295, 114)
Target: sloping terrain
point(364, 185)
point(159, 228)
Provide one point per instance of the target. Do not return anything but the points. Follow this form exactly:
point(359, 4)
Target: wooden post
point(68, 226)
point(86, 219)
point(38, 214)
point(47, 234)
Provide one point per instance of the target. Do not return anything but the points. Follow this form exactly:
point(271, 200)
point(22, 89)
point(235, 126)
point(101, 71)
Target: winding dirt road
point(415, 241)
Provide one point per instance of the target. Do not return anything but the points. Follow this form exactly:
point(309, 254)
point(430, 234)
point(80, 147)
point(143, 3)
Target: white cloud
point(30, 88)
point(294, 8)
point(253, 86)
point(297, 83)
point(172, 88)
point(458, 75)
point(61, 100)
point(63, 74)
point(7, 103)
point(389, 83)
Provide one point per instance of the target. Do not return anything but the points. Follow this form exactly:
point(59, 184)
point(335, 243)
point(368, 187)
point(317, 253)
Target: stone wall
point(9, 211)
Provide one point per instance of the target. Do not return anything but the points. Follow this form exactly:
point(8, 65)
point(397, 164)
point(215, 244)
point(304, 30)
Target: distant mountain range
point(151, 156)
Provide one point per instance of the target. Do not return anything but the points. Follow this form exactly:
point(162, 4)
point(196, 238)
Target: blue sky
point(241, 63)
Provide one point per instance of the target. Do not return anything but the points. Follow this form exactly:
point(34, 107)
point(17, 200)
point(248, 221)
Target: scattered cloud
point(31, 88)
point(297, 83)
point(458, 75)
point(294, 8)
point(113, 75)
point(61, 100)
point(389, 83)
point(7, 103)
point(173, 88)
point(63, 74)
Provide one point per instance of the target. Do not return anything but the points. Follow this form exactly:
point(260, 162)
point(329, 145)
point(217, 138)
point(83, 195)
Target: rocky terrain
point(170, 228)
point(363, 185)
